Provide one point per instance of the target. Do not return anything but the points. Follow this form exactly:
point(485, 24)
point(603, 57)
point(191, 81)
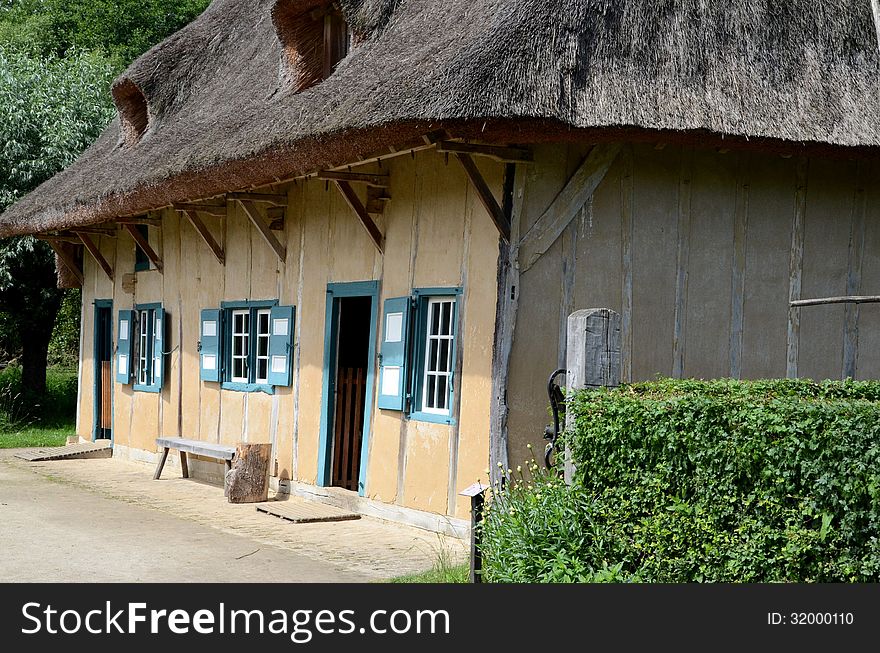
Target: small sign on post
point(477, 494)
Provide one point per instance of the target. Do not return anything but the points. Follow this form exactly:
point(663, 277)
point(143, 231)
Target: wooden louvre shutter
point(124, 334)
point(209, 339)
point(281, 323)
point(159, 331)
point(393, 364)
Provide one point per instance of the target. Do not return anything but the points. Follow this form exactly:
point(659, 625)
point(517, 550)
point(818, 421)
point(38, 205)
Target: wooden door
point(349, 423)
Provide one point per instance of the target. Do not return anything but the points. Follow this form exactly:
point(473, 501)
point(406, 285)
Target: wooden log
point(247, 481)
point(854, 299)
point(496, 152)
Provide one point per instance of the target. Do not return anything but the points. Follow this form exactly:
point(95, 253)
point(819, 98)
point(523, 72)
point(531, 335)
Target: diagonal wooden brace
point(485, 195)
point(96, 253)
point(144, 244)
point(200, 227)
point(361, 212)
point(253, 213)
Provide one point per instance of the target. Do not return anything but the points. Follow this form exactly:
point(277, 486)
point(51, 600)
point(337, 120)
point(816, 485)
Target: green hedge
point(689, 481)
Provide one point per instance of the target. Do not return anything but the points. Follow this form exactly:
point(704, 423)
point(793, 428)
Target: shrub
point(723, 481)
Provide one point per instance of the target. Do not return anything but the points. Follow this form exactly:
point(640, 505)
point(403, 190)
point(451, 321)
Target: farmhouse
point(354, 230)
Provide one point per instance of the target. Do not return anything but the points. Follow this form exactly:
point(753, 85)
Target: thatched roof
point(224, 113)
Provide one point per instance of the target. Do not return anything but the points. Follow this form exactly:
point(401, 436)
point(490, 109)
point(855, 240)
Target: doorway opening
point(352, 359)
point(103, 370)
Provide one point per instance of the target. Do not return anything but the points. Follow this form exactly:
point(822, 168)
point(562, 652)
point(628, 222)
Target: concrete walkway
point(106, 520)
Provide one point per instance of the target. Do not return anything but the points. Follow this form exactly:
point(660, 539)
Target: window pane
point(237, 346)
point(447, 319)
point(262, 370)
point(432, 355)
point(434, 328)
point(443, 361)
point(442, 395)
point(429, 391)
point(263, 347)
point(263, 323)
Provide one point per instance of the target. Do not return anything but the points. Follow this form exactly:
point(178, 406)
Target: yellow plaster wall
point(436, 234)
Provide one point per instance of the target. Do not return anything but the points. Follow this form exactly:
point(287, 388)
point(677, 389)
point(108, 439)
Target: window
point(140, 347)
point(417, 373)
point(141, 260)
point(437, 382)
point(247, 346)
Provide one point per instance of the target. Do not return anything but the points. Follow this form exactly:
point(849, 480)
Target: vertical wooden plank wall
point(701, 250)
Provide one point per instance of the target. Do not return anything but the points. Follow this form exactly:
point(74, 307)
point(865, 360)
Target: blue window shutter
point(392, 370)
point(210, 331)
point(123, 346)
point(281, 322)
point(159, 347)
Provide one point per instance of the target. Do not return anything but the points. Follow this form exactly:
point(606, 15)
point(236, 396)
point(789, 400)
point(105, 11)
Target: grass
point(41, 423)
point(37, 435)
point(439, 574)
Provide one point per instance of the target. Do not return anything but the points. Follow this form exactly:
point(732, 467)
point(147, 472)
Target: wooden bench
point(195, 447)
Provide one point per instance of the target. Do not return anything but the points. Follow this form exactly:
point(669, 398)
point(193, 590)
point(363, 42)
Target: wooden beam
point(199, 226)
point(502, 154)
point(96, 253)
point(852, 299)
point(68, 261)
point(218, 210)
point(485, 195)
point(139, 219)
point(277, 200)
point(74, 239)
point(361, 212)
point(109, 232)
point(571, 199)
point(144, 244)
point(370, 179)
point(253, 213)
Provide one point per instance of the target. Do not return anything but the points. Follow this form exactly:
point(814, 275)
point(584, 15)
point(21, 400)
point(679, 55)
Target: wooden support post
point(68, 261)
point(200, 227)
point(361, 212)
point(592, 355)
point(144, 244)
point(485, 195)
point(96, 253)
point(257, 220)
point(184, 468)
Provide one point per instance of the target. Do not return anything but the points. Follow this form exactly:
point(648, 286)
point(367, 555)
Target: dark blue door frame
point(336, 291)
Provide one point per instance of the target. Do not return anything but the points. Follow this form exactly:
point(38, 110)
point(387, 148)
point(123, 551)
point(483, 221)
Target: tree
point(50, 110)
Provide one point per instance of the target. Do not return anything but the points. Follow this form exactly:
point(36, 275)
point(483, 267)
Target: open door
point(103, 370)
point(349, 362)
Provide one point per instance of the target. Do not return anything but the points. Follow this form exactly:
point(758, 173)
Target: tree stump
point(248, 479)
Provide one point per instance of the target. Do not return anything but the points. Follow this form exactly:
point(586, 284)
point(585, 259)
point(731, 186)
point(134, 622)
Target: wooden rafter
point(361, 212)
point(485, 194)
point(276, 199)
point(200, 227)
point(253, 213)
point(69, 262)
point(218, 210)
point(109, 232)
point(144, 244)
point(499, 153)
point(96, 253)
point(370, 179)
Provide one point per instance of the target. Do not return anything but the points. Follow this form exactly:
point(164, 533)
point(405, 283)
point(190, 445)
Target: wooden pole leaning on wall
point(592, 357)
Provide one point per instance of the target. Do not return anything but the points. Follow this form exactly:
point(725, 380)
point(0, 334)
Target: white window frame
point(144, 366)
point(431, 368)
point(262, 336)
point(244, 335)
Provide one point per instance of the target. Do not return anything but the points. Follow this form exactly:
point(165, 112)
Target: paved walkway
point(107, 520)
